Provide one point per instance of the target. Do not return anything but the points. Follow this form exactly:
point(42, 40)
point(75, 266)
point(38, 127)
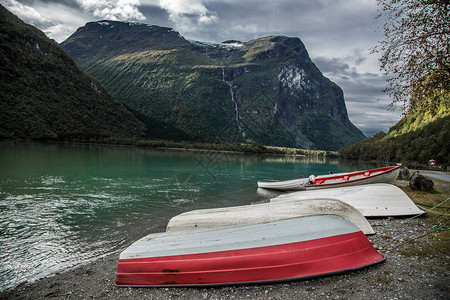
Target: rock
point(420, 182)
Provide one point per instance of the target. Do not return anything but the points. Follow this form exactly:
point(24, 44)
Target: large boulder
point(420, 182)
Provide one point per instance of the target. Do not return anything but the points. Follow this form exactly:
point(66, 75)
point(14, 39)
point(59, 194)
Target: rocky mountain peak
point(108, 37)
point(266, 90)
point(276, 47)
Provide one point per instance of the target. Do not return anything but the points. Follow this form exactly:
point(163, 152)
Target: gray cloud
point(68, 3)
point(339, 65)
point(187, 15)
point(155, 14)
point(124, 10)
point(29, 14)
point(367, 106)
point(59, 19)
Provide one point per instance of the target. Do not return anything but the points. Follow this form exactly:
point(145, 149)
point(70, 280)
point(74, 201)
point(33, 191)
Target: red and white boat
point(284, 250)
point(380, 175)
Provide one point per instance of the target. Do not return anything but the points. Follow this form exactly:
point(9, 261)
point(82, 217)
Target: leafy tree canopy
point(415, 50)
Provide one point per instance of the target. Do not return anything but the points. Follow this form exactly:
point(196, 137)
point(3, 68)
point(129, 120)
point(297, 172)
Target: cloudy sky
point(337, 33)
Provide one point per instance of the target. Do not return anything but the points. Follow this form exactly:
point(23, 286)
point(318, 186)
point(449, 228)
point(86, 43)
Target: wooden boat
point(285, 250)
point(372, 200)
point(267, 212)
point(380, 175)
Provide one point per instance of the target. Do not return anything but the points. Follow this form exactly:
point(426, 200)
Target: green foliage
point(44, 95)
point(431, 141)
point(159, 130)
point(187, 99)
point(423, 114)
point(325, 132)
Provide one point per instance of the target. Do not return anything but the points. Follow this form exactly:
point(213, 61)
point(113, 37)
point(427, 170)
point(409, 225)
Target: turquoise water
point(63, 205)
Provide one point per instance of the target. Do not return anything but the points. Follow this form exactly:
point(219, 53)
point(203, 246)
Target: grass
point(438, 217)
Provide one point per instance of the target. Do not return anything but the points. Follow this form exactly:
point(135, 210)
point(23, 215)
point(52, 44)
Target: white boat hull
point(382, 178)
point(285, 185)
point(372, 200)
point(267, 212)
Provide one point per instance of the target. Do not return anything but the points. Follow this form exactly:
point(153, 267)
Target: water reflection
point(354, 165)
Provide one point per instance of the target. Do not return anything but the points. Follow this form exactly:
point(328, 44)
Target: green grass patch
point(438, 219)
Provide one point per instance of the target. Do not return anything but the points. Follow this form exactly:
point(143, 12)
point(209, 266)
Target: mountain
point(422, 134)
point(266, 91)
point(45, 96)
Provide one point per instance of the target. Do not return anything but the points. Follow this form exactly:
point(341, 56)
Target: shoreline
point(416, 267)
point(197, 147)
point(233, 149)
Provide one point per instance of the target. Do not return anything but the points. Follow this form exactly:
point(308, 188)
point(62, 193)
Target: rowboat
point(267, 212)
point(285, 250)
point(380, 175)
point(372, 200)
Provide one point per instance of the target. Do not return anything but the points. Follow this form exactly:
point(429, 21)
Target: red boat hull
point(285, 262)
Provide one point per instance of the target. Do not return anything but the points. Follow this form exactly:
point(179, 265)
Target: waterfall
point(236, 111)
point(236, 108)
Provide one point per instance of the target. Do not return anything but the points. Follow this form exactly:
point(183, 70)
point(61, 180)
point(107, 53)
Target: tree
point(415, 51)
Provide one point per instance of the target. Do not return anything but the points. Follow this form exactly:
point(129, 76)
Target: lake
point(67, 204)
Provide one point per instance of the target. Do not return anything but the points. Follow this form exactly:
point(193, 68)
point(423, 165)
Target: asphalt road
point(436, 174)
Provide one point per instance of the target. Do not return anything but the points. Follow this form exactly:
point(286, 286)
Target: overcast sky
point(338, 35)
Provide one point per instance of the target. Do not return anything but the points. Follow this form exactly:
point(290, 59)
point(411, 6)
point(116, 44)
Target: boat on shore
point(379, 175)
point(267, 212)
point(372, 200)
point(285, 250)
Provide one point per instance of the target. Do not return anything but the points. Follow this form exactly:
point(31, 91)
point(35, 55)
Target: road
point(435, 174)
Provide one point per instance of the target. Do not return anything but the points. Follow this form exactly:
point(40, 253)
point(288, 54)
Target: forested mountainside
point(421, 135)
point(45, 96)
point(264, 91)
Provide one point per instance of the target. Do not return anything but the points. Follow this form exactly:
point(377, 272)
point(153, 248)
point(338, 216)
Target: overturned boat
point(285, 250)
point(380, 175)
point(372, 200)
point(267, 212)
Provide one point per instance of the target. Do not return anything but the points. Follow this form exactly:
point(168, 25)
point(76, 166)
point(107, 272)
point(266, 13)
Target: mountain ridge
point(45, 96)
point(264, 91)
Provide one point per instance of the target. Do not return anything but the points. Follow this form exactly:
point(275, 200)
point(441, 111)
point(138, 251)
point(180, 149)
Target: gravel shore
point(415, 268)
